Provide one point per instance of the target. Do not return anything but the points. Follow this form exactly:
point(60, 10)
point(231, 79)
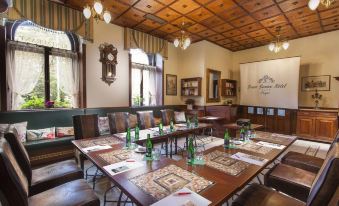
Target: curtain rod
point(25, 44)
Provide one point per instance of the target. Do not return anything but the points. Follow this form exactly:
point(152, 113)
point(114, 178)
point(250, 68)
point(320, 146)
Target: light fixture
point(313, 4)
point(97, 12)
point(277, 45)
point(183, 41)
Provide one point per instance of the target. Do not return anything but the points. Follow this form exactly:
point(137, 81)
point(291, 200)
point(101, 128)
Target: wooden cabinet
point(191, 87)
point(228, 88)
point(317, 125)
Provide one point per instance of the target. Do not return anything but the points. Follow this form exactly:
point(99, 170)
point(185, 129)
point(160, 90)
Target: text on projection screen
point(272, 83)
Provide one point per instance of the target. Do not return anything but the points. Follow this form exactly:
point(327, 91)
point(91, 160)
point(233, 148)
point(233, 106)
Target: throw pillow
point(3, 129)
point(39, 134)
point(103, 124)
point(133, 121)
point(179, 117)
point(21, 129)
point(64, 131)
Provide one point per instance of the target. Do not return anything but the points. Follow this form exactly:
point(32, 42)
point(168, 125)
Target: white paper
point(211, 117)
point(284, 136)
point(173, 199)
point(96, 148)
point(123, 166)
point(271, 145)
point(249, 158)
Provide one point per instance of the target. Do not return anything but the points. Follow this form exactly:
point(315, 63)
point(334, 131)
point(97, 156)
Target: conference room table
point(234, 127)
point(216, 182)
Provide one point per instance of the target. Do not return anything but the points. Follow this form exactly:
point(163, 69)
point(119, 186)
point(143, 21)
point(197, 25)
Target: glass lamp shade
point(271, 46)
point(286, 45)
point(313, 4)
point(187, 42)
point(87, 12)
point(98, 7)
point(109, 74)
point(176, 42)
point(107, 17)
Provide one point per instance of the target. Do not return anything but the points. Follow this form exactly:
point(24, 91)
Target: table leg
point(166, 148)
point(171, 140)
point(176, 145)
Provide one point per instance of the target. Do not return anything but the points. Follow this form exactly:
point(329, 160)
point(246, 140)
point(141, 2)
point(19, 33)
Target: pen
point(183, 193)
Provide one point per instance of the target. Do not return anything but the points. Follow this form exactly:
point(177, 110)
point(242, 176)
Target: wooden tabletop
point(234, 126)
point(224, 187)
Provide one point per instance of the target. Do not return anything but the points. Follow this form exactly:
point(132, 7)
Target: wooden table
point(233, 127)
point(217, 122)
point(224, 187)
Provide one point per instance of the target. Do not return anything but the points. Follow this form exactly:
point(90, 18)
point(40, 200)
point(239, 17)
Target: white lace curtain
point(24, 67)
point(67, 68)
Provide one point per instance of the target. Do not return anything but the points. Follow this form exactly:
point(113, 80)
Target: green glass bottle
point(196, 121)
point(136, 133)
point(149, 146)
point(242, 134)
point(128, 137)
point(161, 128)
point(171, 126)
point(226, 140)
point(190, 151)
point(188, 123)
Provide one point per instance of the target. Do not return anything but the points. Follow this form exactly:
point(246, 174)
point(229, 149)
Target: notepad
point(123, 166)
point(271, 145)
point(190, 199)
point(250, 158)
point(96, 148)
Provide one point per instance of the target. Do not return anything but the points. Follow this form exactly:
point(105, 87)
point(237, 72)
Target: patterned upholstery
point(118, 122)
point(167, 115)
point(85, 126)
point(145, 119)
point(20, 155)
point(326, 181)
point(14, 184)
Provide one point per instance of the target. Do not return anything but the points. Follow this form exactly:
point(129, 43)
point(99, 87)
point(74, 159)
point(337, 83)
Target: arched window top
point(138, 56)
point(32, 33)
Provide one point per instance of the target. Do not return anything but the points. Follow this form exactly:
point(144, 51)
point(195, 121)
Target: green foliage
point(137, 101)
point(33, 102)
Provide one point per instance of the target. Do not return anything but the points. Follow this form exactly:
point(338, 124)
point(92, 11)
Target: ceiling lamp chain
point(97, 12)
point(314, 4)
point(183, 41)
point(277, 45)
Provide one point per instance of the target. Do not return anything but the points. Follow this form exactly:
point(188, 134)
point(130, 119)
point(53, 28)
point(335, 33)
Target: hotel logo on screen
point(266, 84)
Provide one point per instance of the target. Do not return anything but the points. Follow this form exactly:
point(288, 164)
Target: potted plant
point(189, 103)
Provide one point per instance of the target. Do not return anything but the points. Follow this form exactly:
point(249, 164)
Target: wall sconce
point(108, 58)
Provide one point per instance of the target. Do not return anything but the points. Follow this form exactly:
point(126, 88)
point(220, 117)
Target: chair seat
point(75, 193)
point(290, 180)
point(302, 161)
point(53, 175)
point(259, 195)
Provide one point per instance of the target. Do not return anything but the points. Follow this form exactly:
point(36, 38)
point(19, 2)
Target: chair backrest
point(167, 115)
point(335, 140)
point(327, 179)
point(85, 126)
point(13, 182)
point(118, 122)
point(20, 154)
point(145, 119)
point(132, 120)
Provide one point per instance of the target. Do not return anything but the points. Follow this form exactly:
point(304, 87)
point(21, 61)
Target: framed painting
point(313, 83)
point(171, 84)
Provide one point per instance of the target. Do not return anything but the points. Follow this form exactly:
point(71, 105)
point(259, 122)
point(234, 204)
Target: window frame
point(7, 33)
point(152, 62)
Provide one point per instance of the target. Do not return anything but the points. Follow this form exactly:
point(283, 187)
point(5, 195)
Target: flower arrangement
point(49, 104)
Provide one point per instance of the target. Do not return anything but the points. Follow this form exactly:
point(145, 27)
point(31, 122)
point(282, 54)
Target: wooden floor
point(302, 146)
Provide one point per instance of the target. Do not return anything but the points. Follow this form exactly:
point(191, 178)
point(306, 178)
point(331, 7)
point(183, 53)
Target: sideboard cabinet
point(318, 125)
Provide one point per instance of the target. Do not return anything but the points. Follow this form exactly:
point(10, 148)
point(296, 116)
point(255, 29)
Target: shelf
point(228, 88)
point(193, 84)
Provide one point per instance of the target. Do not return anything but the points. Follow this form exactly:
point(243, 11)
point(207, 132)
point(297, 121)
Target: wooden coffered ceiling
point(232, 24)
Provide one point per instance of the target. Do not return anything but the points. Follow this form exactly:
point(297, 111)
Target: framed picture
point(312, 83)
point(171, 84)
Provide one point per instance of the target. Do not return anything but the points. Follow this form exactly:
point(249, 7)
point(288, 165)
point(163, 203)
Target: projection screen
point(272, 83)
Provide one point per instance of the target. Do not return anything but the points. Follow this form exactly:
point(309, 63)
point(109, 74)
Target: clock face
point(110, 57)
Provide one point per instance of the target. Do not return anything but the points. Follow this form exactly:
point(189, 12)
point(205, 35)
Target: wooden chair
point(118, 122)
point(166, 116)
point(86, 126)
point(15, 186)
point(145, 119)
point(46, 177)
point(324, 189)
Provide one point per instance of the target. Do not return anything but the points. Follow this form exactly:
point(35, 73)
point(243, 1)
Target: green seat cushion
point(47, 143)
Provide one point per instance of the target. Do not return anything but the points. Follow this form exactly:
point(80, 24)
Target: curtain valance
point(148, 43)
point(53, 16)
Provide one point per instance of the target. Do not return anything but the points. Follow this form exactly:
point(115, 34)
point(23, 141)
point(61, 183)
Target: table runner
point(253, 147)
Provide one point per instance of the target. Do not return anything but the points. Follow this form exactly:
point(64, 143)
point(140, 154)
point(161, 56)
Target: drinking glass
point(156, 154)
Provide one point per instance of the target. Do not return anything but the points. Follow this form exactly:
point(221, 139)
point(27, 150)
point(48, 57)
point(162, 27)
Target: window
point(42, 69)
point(146, 79)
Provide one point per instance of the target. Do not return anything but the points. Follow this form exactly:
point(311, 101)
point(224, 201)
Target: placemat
point(164, 181)
point(100, 141)
point(224, 163)
point(252, 147)
point(115, 156)
point(276, 138)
